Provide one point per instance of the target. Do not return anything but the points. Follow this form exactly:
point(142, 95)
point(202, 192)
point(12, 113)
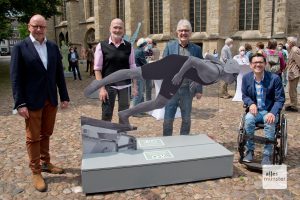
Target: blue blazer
point(272, 89)
point(172, 47)
point(32, 84)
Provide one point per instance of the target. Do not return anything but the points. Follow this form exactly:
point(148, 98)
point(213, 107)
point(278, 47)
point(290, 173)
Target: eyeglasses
point(258, 62)
point(37, 27)
point(183, 30)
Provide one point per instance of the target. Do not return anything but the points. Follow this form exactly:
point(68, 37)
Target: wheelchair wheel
point(280, 149)
point(277, 156)
point(240, 139)
point(283, 137)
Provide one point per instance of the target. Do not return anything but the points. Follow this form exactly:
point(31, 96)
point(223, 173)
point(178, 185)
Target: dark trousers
point(109, 104)
point(148, 89)
point(75, 66)
point(39, 128)
point(89, 66)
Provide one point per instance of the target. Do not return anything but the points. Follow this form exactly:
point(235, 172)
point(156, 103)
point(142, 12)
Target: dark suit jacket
point(32, 84)
point(172, 47)
point(272, 89)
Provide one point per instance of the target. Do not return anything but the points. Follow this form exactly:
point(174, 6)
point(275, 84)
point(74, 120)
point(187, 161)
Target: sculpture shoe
point(50, 168)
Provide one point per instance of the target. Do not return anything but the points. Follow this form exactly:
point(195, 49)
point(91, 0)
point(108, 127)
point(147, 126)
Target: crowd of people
point(122, 71)
point(282, 60)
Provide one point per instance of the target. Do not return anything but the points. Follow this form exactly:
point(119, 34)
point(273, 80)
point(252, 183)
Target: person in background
point(149, 57)
point(155, 51)
point(140, 60)
point(215, 54)
point(275, 59)
point(282, 48)
point(73, 61)
point(260, 48)
point(241, 58)
point(293, 73)
point(226, 55)
point(90, 60)
point(36, 71)
point(184, 96)
point(248, 50)
point(112, 55)
point(206, 53)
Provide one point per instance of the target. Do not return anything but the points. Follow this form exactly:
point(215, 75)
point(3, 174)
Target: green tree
point(23, 30)
point(23, 10)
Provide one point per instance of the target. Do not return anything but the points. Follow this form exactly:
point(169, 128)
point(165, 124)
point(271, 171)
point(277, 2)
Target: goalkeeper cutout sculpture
point(171, 70)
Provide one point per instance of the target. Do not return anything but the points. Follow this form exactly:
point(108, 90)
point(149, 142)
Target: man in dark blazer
point(263, 93)
point(36, 73)
point(184, 96)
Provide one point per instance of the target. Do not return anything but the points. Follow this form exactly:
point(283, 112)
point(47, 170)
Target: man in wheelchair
point(263, 94)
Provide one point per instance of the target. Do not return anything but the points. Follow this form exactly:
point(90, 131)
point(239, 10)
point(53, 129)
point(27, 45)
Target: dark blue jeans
point(109, 104)
point(75, 69)
point(182, 99)
point(139, 98)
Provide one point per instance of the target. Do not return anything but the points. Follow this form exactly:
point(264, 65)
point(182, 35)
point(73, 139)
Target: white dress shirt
point(41, 49)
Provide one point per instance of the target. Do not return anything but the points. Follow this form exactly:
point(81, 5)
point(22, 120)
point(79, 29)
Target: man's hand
point(253, 109)
point(103, 95)
point(23, 111)
point(270, 118)
point(64, 104)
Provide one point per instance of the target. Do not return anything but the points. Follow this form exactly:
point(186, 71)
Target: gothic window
point(64, 11)
point(156, 16)
point(121, 9)
point(198, 15)
point(249, 15)
point(91, 8)
point(90, 36)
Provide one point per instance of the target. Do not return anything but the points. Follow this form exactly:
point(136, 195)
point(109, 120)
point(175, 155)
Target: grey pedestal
point(157, 161)
point(68, 74)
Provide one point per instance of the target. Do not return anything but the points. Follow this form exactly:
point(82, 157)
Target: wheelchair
point(279, 143)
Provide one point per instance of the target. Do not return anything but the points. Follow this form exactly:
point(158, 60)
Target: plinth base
point(157, 161)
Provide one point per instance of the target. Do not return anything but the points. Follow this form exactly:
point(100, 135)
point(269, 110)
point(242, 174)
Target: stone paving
point(219, 118)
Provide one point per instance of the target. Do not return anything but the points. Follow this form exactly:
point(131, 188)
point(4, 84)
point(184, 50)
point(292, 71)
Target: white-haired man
point(184, 96)
point(293, 67)
point(226, 55)
point(112, 55)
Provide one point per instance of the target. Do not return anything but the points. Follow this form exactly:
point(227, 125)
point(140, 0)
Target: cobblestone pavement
point(219, 118)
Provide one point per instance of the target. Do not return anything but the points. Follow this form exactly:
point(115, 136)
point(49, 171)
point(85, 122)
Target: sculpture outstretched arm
point(188, 64)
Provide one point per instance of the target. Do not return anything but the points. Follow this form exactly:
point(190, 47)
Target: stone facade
point(275, 21)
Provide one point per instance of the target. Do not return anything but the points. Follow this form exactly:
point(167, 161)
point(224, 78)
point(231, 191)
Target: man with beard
point(112, 55)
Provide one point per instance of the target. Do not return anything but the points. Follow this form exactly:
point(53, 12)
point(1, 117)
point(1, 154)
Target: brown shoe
point(291, 109)
point(39, 183)
point(50, 168)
